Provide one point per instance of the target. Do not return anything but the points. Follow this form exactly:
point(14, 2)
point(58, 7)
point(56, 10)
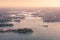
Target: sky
point(29, 3)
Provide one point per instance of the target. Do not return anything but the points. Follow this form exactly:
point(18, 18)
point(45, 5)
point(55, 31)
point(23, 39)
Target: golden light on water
point(29, 3)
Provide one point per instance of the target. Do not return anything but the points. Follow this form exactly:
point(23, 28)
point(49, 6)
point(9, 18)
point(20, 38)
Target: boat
point(45, 25)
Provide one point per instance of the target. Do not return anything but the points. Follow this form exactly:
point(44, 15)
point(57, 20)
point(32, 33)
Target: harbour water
point(52, 32)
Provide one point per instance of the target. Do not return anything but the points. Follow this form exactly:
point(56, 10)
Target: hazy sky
point(29, 3)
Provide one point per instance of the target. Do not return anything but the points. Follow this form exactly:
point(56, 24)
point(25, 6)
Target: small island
point(24, 30)
point(3, 25)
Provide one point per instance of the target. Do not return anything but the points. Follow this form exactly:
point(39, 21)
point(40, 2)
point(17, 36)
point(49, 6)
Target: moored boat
point(45, 25)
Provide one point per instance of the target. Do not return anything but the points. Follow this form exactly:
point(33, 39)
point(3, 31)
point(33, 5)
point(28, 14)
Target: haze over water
point(52, 32)
point(36, 15)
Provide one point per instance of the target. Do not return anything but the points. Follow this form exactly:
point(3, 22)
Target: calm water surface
point(52, 32)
